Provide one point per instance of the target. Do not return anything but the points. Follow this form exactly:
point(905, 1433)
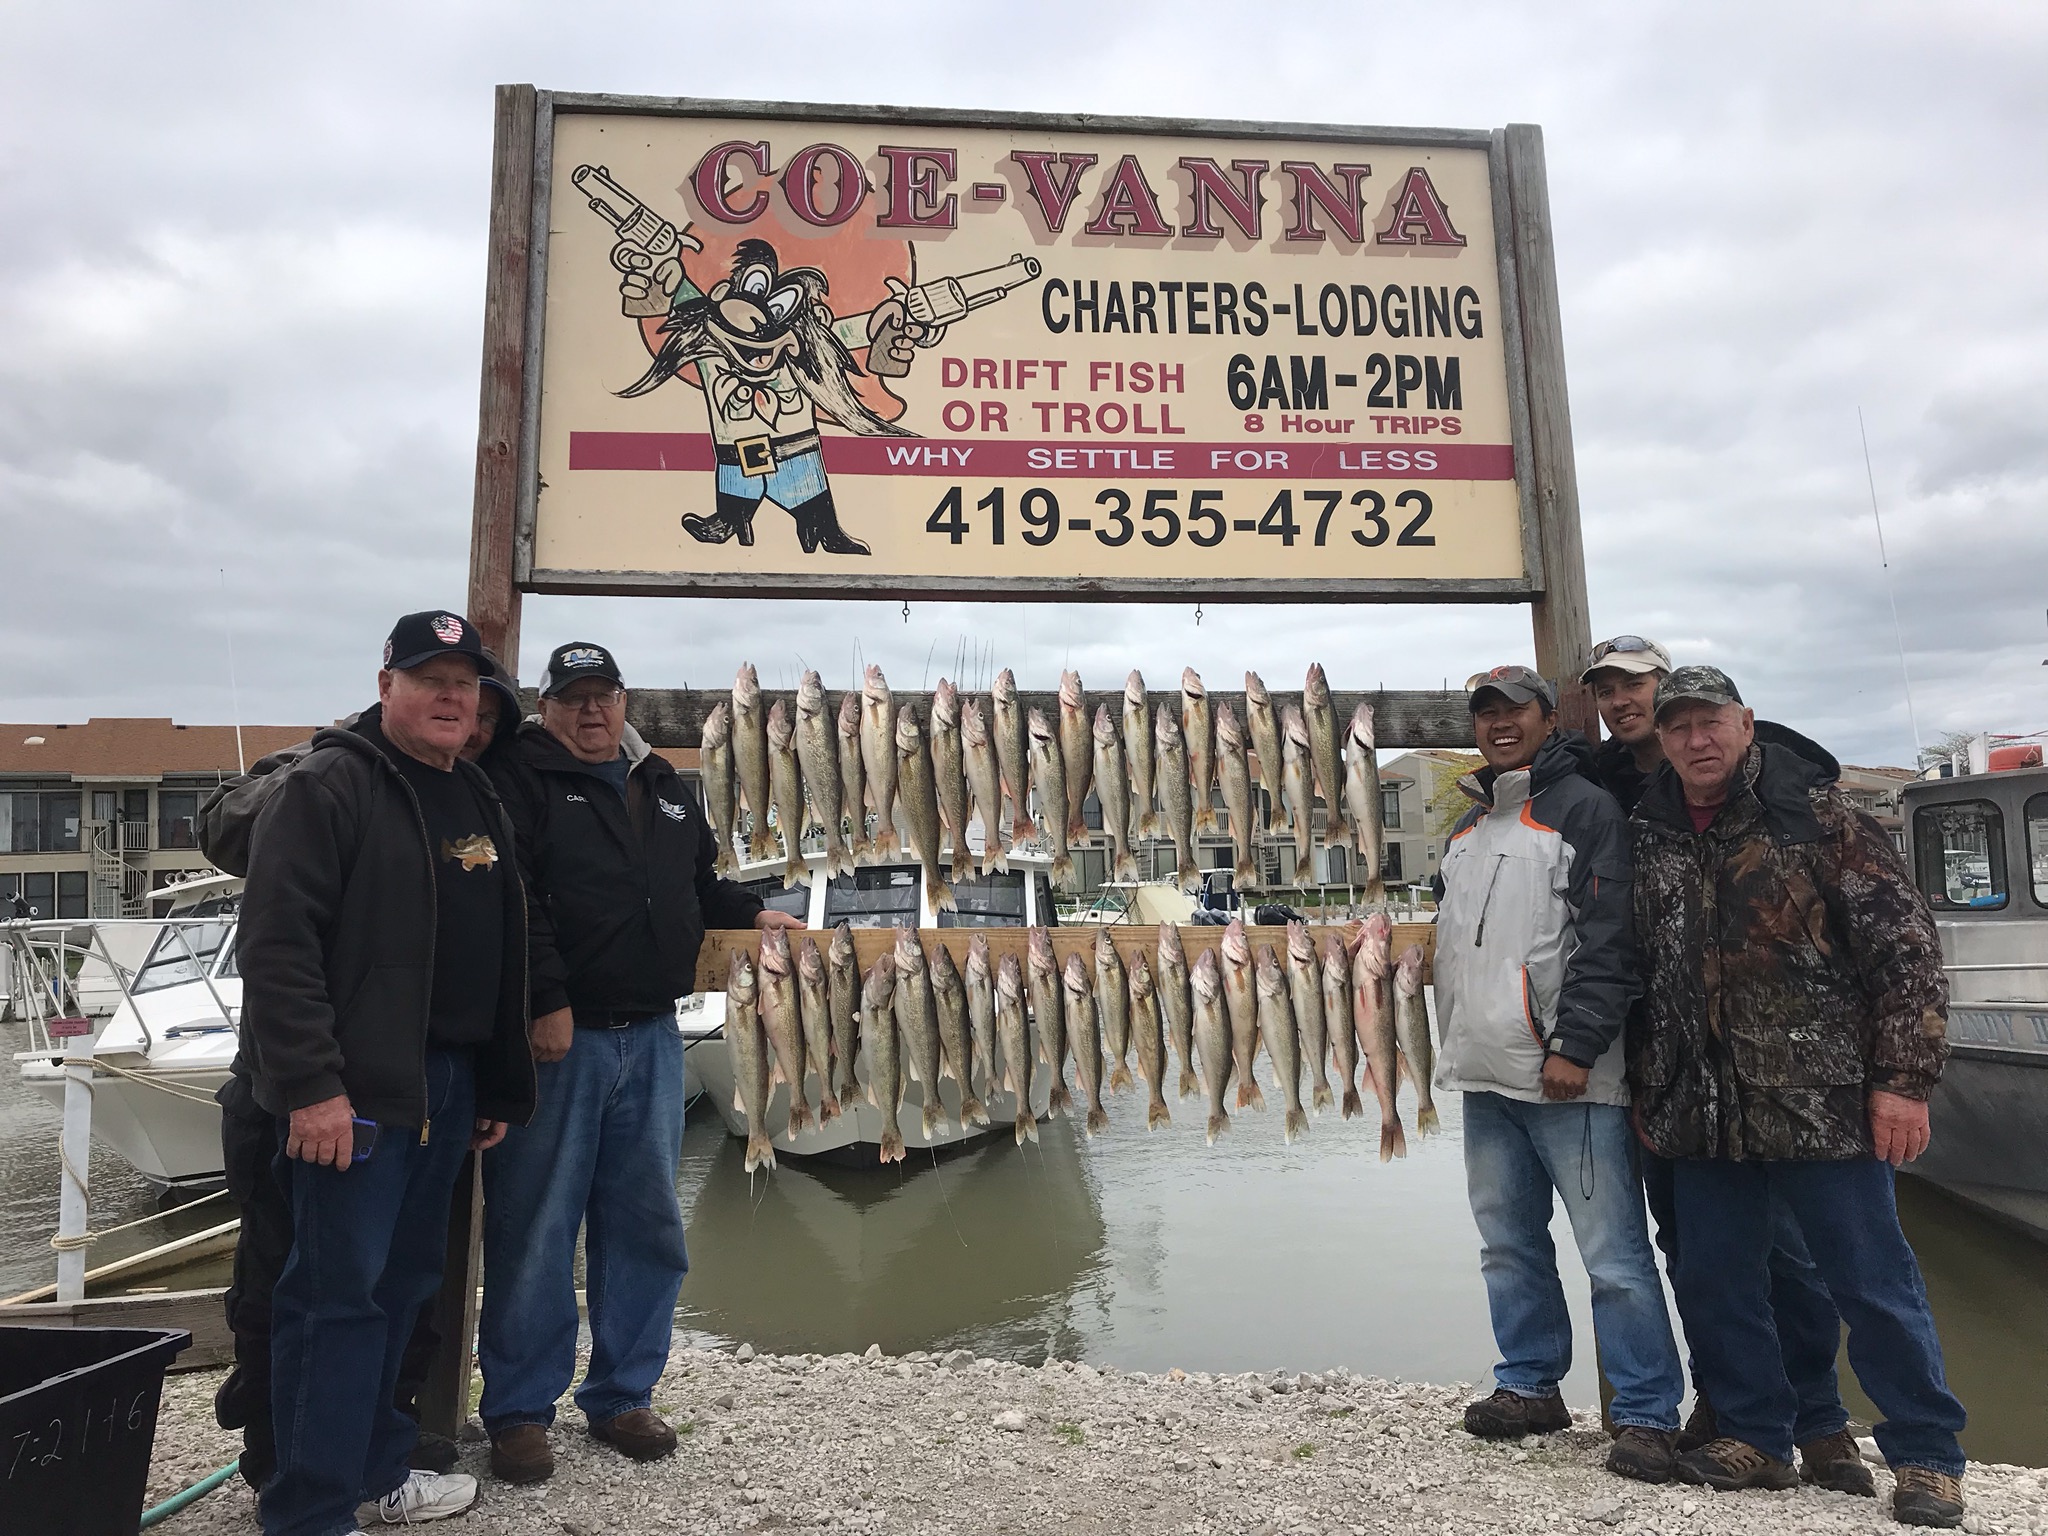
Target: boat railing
point(46, 980)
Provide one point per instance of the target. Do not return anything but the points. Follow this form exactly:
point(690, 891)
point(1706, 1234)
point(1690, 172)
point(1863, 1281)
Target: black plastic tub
point(77, 1425)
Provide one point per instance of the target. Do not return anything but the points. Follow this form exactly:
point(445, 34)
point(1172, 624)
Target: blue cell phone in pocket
point(365, 1140)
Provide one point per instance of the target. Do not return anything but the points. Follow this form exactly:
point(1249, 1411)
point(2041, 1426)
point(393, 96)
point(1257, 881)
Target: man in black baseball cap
point(618, 861)
point(419, 638)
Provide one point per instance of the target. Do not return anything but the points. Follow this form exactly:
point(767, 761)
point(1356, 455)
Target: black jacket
point(619, 892)
point(336, 943)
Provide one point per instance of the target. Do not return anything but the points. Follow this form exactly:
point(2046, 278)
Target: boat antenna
point(1891, 589)
point(234, 689)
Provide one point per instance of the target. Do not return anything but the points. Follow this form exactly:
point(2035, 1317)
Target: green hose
point(192, 1495)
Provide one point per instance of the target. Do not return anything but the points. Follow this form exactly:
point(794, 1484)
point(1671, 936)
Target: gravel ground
point(958, 1446)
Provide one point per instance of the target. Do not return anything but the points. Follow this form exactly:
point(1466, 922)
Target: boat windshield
point(993, 900)
point(189, 945)
point(874, 896)
point(773, 894)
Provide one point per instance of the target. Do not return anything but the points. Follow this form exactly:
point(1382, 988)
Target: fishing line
point(933, 1152)
point(1891, 591)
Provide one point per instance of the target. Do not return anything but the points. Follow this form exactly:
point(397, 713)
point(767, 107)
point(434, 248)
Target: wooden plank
point(203, 1314)
point(1120, 589)
point(1560, 616)
point(870, 944)
point(1402, 718)
point(444, 1396)
point(494, 602)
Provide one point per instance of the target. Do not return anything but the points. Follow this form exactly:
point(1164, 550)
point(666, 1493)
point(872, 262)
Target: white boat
point(873, 896)
point(164, 1047)
point(1979, 847)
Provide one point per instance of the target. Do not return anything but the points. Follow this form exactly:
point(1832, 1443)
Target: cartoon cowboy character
point(771, 357)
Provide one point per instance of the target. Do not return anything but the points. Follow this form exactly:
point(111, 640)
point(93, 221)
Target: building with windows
point(95, 817)
point(1420, 803)
point(1877, 791)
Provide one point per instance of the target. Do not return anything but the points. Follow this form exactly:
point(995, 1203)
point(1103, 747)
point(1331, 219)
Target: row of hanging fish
point(1346, 1005)
point(1152, 773)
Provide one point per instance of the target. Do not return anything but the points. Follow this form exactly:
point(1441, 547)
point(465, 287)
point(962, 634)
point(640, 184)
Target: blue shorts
point(791, 483)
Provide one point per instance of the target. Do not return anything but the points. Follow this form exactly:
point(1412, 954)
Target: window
point(39, 822)
point(186, 948)
point(777, 897)
point(1390, 862)
point(874, 896)
point(37, 890)
point(992, 901)
point(177, 818)
point(2037, 847)
point(1390, 806)
point(1959, 855)
point(71, 894)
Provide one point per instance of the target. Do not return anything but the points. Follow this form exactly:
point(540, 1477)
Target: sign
point(830, 351)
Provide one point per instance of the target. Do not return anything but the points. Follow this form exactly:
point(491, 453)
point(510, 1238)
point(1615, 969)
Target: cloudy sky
point(241, 281)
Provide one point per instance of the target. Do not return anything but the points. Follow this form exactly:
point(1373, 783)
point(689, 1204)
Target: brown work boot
point(1640, 1453)
point(1834, 1462)
point(1927, 1497)
point(1509, 1416)
point(1728, 1466)
point(641, 1433)
point(521, 1454)
point(1702, 1428)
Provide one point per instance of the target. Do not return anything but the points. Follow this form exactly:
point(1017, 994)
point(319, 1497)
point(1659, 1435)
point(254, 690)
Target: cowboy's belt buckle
point(757, 454)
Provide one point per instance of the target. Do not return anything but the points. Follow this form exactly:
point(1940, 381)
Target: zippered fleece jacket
point(619, 892)
point(1791, 965)
point(1533, 936)
point(336, 942)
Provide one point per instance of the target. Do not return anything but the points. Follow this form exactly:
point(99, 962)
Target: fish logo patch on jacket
point(672, 810)
point(474, 852)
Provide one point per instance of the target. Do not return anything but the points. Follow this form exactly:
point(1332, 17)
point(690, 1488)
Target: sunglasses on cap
point(1625, 645)
point(1520, 676)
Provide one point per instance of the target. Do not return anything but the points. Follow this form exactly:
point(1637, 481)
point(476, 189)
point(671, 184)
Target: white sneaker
point(425, 1496)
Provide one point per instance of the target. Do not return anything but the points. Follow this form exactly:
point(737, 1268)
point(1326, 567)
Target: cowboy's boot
point(817, 527)
point(733, 519)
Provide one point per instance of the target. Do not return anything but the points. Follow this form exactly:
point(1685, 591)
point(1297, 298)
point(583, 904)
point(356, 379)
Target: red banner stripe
point(1067, 459)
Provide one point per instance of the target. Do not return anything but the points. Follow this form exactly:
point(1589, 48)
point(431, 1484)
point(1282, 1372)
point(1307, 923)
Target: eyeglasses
point(594, 698)
point(1514, 674)
point(1626, 645)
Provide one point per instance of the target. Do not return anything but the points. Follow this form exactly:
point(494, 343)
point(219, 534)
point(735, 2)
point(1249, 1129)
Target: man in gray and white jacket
point(1535, 972)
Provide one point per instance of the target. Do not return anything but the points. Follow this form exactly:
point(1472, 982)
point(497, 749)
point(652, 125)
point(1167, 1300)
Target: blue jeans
point(367, 1249)
point(1847, 1212)
point(1517, 1155)
point(602, 1150)
point(1809, 1328)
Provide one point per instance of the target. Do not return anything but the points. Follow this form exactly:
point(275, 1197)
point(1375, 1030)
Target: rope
point(175, 1090)
point(63, 1244)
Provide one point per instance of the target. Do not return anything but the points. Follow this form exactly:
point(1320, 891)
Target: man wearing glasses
point(617, 859)
point(1794, 1022)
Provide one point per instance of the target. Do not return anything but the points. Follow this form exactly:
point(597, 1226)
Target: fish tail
point(1127, 865)
point(1375, 889)
point(1353, 1105)
point(1297, 1122)
point(937, 891)
point(1190, 1085)
point(1277, 824)
point(892, 1146)
point(972, 1109)
point(1244, 874)
point(1060, 1101)
point(962, 860)
point(1156, 1114)
point(934, 1114)
point(1148, 824)
point(1187, 874)
point(799, 1114)
point(1120, 1078)
point(793, 872)
point(828, 1108)
point(1097, 1122)
point(1426, 1122)
point(1305, 868)
point(1320, 1098)
point(1027, 1125)
point(1205, 819)
point(1393, 1140)
point(1219, 1122)
point(1062, 866)
point(761, 845)
point(760, 1151)
point(1338, 830)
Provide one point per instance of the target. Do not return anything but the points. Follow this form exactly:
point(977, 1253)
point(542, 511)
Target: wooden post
point(1564, 637)
point(493, 577)
point(444, 1398)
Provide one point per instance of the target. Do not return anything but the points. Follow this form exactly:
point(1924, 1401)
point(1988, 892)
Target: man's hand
point(768, 918)
point(488, 1134)
point(1898, 1127)
point(1563, 1079)
point(552, 1035)
point(324, 1133)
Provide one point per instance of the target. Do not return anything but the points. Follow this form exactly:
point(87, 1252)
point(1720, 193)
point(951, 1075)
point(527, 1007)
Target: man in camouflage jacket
point(1794, 1024)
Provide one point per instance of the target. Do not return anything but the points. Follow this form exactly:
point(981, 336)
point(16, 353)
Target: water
point(1144, 1251)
